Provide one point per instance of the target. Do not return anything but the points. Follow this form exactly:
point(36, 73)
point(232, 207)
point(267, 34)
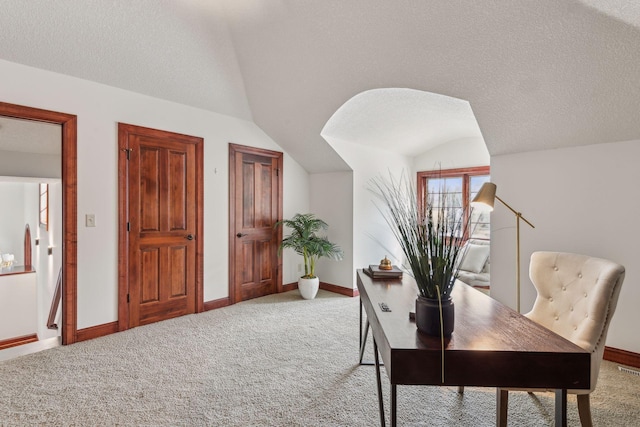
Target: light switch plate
point(90, 220)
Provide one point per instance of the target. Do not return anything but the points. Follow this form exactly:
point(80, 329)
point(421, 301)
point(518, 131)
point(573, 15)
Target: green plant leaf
point(305, 241)
point(431, 237)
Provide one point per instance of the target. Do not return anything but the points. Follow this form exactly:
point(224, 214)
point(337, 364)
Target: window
point(459, 186)
point(44, 205)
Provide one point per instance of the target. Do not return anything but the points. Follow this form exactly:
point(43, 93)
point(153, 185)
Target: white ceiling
point(178, 50)
point(27, 136)
point(407, 121)
point(537, 74)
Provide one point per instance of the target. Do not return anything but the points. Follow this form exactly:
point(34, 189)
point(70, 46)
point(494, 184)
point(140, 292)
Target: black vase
point(428, 316)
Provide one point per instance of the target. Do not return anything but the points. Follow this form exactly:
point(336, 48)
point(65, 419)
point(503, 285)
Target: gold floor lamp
point(485, 199)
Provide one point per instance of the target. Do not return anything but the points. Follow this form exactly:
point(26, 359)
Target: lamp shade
point(485, 197)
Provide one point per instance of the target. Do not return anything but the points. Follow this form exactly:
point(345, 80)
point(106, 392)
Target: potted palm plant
point(431, 231)
point(305, 241)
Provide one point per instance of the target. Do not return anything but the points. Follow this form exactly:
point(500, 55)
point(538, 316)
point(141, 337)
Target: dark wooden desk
point(491, 346)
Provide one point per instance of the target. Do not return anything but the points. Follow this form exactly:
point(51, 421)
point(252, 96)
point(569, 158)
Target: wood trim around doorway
point(69, 123)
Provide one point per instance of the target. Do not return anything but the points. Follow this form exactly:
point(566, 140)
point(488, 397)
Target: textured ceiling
point(407, 121)
point(537, 74)
point(27, 136)
point(178, 50)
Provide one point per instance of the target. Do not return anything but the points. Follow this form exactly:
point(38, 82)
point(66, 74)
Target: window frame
point(464, 173)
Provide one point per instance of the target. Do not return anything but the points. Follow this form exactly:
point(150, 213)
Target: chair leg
point(461, 389)
point(502, 406)
point(584, 410)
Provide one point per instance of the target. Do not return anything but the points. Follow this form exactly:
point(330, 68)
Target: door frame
point(233, 149)
point(69, 123)
point(124, 130)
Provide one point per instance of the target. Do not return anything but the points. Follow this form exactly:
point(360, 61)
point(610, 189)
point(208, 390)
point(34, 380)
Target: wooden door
point(164, 231)
point(255, 178)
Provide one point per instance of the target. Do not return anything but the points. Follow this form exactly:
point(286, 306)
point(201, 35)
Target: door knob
point(240, 235)
point(189, 236)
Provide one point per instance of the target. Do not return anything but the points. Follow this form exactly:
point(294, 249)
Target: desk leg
point(393, 405)
point(360, 329)
point(363, 339)
point(362, 335)
point(502, 407)
point(380, 401)
point(561, 408)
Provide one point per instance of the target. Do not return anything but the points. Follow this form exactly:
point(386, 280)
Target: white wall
point(24, 209)
point(99, 108)
point(461, 153)
point(583, 200)
point(12, 219)
point(48, 266)
point(332, 201)
point(372, 239)
point(17, 305)
point(296, 200)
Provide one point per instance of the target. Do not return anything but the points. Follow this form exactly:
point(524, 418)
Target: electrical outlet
point(90, 220)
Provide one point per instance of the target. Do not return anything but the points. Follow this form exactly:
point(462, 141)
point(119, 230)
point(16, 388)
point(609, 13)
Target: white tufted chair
point(577, 296)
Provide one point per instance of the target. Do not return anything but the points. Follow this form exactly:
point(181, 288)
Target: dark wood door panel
point(258, 276)
point(256, 290)
point(247, 194)
point(150, 273)
point(179, 274)
point(264, 264)
point(246, 276)
point(265, 213)
point(157, 312)
point(149, 190)
point(178, 196)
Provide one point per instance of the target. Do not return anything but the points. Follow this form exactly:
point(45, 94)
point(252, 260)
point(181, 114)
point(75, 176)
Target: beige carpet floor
point(273, 361)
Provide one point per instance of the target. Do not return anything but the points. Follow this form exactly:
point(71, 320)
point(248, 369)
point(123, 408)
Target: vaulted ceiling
point(537, 74)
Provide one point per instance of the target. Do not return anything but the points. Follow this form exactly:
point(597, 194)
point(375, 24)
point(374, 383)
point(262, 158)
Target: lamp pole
point(486, 197)
point(518, 218)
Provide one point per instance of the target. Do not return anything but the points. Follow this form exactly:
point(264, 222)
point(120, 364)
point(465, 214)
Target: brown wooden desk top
point(492, 345)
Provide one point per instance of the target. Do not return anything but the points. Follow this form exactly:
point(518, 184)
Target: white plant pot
point(308, 287)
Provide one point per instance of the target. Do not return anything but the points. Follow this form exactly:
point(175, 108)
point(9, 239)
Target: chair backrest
point(577, 296)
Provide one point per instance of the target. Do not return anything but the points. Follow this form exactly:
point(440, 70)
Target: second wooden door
point(255, 205)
